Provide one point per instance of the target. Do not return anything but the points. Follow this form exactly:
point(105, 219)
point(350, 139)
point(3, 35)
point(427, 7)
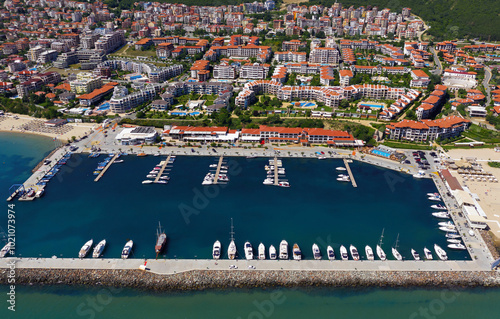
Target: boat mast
point(232, 231)
point(397, 240)
point(381, 237)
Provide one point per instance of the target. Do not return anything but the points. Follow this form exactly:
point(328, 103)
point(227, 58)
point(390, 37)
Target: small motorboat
point(369, 253)
point(262, 251)
point(272, 253)
point(453, 241)
point(284, 249)
point(268, 181)
point(6, 249)
point(127, 249)
point(147, 181)
point(354, 252)
point(452, 235)
point(316, 252)
point(442, 215)
point(448, 229)
point(343, 253)
point(330, 253)
point(284, 184)
point(457, 246)
point(216, 250)
point(340, 168)
point(439, 206)
point(427, 253)
point(380, 253)
point(248, 251)
point(297, 253)
point(415, 255)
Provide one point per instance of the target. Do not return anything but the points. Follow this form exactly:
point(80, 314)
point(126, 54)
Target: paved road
point(439, 70)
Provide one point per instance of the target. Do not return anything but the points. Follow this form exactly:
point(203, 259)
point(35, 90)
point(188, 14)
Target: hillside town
point(249, 67)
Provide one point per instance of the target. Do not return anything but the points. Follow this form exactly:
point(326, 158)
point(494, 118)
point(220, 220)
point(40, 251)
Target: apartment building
point(85, 83)
point(122, 101)
point(224, 71)
point(427, 130)
point(324, 56)
point(290, 56)
point(254, 71)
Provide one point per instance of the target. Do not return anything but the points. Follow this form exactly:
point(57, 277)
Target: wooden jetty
point(106, 168)
point(160, 173)
point(350, 173)
point(217, 171)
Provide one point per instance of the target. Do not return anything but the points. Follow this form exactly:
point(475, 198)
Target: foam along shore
point(212, 279)
point(14, 124)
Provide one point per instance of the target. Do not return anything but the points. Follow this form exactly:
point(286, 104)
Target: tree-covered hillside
point(448, 19)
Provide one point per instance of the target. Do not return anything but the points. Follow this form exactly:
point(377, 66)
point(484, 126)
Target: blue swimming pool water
point(381, 153)
point(372, 105)
point(103, 107)
point(307, 104)
point(135, 77)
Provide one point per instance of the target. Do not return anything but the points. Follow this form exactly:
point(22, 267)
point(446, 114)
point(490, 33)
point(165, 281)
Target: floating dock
point(346, 162)
point(162, 169)
point(106, 168)
point(276, 169)
point(217, 171)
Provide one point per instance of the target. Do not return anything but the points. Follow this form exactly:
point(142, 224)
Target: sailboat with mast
point(395, 251)
point(161, 240)
point(231, 250)
point(380, 252)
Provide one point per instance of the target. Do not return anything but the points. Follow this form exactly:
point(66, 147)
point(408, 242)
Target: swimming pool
point(372, 105)
point(184, 113)
point(381, 153)
point(307, 104)
point(103, 107)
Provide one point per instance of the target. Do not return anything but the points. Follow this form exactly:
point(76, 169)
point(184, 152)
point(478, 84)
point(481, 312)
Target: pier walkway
point(172, 266)
point(160, 173)
point(217, 171)
point(346, 162)
point(276, 180)
point(106, 168)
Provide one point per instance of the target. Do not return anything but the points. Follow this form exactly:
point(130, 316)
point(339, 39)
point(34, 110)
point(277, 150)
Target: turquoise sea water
point(314, 209)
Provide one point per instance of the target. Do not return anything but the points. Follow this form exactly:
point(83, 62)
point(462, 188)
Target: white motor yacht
point(369, 253)
point(343, 253)
point(446, 224)
point(427, 253)
point(268, 181)
point(216, 250)
point(453, 241)
point(330, 252)
point(316, 252)
point(127, 249)
point(340, 168)
point(99, 249)
point(448, 229)
point(297, 253)
point(436, 199)
point(344, 179)
point(283, 249)
point(452, 235)
point(354, 252)
point(147, 181)
point(415, 255)
point(439, 206)
point(457, 246)
point(262, 251)
point(433, 194)
point(85, 249)
point(248, 251)
point(284, 184)
point(442, 215)
point(272, 253)
point(440, 252)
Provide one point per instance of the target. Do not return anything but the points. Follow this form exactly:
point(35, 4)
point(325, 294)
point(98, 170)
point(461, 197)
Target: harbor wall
point(217, 279)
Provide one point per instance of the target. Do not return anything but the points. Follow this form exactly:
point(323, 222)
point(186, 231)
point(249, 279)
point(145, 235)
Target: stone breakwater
point(213, 279)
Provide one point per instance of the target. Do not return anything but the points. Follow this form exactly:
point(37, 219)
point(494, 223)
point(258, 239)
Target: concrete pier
point(276, 169)
point(106, 168)
point(217, 171)
point(346, 162)
point(160, 173)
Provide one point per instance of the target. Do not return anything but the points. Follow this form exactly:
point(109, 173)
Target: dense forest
point(449, 19)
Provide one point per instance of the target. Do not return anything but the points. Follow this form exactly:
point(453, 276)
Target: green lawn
point(412, 146)
point(482, 135)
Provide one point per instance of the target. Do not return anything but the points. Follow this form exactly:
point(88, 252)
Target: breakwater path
point(174, 266)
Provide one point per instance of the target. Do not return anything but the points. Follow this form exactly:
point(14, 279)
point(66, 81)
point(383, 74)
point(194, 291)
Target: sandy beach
point(31, 125)
point(489, 193)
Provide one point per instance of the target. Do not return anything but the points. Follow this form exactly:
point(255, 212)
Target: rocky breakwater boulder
point(213, 279)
